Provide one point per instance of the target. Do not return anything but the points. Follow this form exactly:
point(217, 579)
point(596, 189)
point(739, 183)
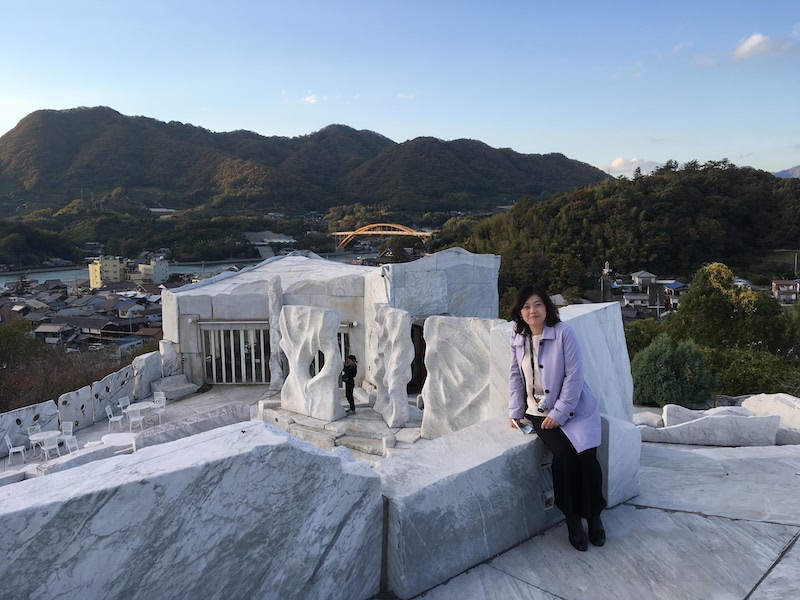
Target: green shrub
point(742, 371)
point(639, 334)
point(670, 373)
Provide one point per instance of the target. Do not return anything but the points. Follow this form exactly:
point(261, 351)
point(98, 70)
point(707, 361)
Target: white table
point(40, 437)
point(140, 406)
point(121, 441)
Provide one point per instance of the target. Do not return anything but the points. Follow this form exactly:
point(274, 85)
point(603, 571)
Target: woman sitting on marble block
point(546, 386)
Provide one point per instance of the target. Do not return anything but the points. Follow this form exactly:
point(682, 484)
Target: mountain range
point(53, 157)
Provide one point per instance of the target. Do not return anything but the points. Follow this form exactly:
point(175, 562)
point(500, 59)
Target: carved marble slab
point(146, 369)
point(306, 332)
point(109, 390)
point(456, 390)
point(396, 353)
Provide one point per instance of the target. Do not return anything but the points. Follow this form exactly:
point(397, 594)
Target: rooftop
point(709, 522)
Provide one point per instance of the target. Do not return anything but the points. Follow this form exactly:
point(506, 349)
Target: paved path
point(710, 523)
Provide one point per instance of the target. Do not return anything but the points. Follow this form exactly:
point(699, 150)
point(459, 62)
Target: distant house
point(636, 300)
point(643, 279)
point(673, 291)
point(785, 290)
point(151, 333)
point(742, 283)
point(124, 346)
point(53, 333)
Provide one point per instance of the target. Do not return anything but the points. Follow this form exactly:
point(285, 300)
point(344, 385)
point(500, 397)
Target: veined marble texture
point(15, 424)
point(675, 414)
point(606, 366)
point(146, 369)
point(307, 331)
point(170, 359)
point(456, 389)
point(619, 454)
point(76, 406)
point(397, 354)
point(109, 390)
point(722, 430)
point(448, 514)
point(243, 511)
point(275, 299)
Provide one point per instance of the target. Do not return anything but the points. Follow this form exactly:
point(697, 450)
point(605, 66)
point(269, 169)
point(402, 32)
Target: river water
point(202, 270)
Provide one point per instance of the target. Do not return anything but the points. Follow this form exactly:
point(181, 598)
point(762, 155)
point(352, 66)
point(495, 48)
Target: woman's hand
point(512, 421)
point(549, 423)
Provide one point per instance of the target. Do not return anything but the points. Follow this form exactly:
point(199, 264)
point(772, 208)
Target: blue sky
point(612, 84)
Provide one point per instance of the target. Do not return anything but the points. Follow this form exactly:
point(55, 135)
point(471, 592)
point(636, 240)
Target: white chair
point(66, 431)
point(31, 430)
point(124, 402)
point(160, 406)
point(14, 449)
point(49, 444)
point(71, 441)
point(135, 417)
point(114, 419)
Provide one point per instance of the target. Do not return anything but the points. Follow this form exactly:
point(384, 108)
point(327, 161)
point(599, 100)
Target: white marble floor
point(719, 523)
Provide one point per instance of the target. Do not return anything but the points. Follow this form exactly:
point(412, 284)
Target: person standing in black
point(349, 377)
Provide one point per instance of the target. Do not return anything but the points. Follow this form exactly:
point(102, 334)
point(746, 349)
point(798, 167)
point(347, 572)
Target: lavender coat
point(572, 404)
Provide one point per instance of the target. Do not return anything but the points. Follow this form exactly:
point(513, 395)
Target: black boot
point(577, 536)
point(597, 533)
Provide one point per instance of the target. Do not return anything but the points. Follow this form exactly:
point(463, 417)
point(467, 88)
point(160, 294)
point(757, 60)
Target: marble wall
point(456, 391)
point(243, 511)
point(15, 424)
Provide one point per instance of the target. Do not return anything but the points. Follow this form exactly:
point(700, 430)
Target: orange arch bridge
point(345, 237)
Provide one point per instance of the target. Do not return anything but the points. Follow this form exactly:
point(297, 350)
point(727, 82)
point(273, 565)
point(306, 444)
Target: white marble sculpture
point(170, 359)
point(76, 406)
point(675, 414)
point(275, 298)
point(243, 511)
point(395, 355)
point(456, 390)
point(305, 332)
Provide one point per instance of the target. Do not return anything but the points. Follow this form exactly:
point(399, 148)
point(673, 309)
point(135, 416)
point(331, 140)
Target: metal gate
point(236, 352)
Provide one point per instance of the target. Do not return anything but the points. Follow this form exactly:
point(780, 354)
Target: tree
point(717, 314)
point(639, 334)
point(667, 372)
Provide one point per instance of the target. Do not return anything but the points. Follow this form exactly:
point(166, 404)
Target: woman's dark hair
point(525, 292)
point(353, 358)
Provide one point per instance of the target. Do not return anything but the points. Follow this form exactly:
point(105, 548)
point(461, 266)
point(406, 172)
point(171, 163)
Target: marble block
point(725, 430)
point(456, 389)
point(606, 366)
point(109, 390)
point(619, 454)
point(787, 436)
point(77, 458)
point(397, 354)
point(170, 359)
point(227, 414)
point(785, 406)
point(15, 424)
point(675, 414)
point(425, 293)
point(146, 369)
point(243, 511)
point(444, 516)
point(648, 418)
point(500, 367)
point(279, 417)
point(76, 406)
point(175, 387)
point(306, 332)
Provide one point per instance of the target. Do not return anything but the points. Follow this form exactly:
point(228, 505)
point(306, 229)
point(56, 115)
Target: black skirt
point(577, 477)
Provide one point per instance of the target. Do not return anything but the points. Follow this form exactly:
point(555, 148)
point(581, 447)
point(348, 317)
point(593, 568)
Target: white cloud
point(756, 45)
point(311, 99)
point(678, 48)
point(406, 96)
point(626, 166)
point(704, 60)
